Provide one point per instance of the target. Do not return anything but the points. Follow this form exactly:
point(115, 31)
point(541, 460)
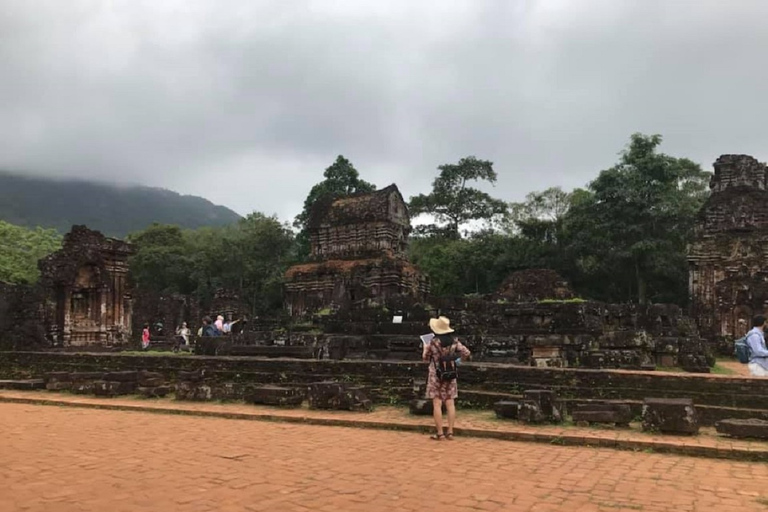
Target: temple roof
point(362, 207)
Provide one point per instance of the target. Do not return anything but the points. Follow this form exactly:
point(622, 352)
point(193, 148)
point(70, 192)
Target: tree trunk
point(641, 286)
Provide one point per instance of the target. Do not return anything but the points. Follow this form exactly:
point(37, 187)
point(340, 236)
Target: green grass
point(154, 353)
point(722, 370)
point(575, 300)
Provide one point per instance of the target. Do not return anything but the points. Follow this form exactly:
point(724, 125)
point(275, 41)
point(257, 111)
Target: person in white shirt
point(758, 355)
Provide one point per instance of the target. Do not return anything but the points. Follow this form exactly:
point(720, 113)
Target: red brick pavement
point(63, 459)
point(472, 423)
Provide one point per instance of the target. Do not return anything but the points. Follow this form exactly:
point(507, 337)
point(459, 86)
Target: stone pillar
point(103, 298)
point(66, 316)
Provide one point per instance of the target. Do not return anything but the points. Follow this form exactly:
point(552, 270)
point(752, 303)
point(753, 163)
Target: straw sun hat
point(440, 325)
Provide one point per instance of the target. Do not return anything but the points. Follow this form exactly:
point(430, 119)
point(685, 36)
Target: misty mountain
point(113, 210)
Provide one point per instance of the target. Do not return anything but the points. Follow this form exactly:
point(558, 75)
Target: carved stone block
point(670, 416)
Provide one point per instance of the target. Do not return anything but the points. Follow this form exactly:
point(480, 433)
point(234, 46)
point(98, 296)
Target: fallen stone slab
point(530, 411)
point(108, 388)
point(193, 391)
point(127, 376)
point(749, 428)
point(670, 416)
point(603, 412)
point(83, 387)
point(228, 391)
point(150, 379)
point(85, 376)
point(275, 395)
point(338, 396)
point(152, 383)
point(58, 386)
point(154, 392)
point(194, 376)
point(507, 409)
point(23, 384)
point(58, 377)
point(548, 406)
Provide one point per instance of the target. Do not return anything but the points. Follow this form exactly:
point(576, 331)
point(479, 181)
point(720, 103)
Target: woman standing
point(442, 354)
point(145, 337)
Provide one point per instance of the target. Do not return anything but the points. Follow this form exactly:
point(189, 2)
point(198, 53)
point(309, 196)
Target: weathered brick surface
point(618, 413)
point(153, 392)
point(337, 396)
point(275, 395)
point(265, 466)
point(671, 416)
point(750, 428)
point(23, 384)
point(507, 409)
point(715, 395)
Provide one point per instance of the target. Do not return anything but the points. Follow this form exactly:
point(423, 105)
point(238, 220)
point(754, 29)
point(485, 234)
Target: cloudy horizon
point(246, 103)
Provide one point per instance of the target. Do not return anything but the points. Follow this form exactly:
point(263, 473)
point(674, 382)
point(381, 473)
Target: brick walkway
point(471, 423)
point(64, 459)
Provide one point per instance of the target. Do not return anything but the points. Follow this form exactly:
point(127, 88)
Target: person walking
point(184, 333)
point(443, 353)
point(758, 355)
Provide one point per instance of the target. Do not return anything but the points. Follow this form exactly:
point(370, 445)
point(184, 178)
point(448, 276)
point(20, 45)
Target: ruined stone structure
point(357, 255)
point(729, 256)
point(88, 296)
point(535, 284)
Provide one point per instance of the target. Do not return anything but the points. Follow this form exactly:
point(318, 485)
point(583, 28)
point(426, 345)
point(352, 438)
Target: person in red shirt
point(145, 337)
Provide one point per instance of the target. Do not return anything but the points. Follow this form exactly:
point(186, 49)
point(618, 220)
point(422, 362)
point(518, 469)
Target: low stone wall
point(481, 384)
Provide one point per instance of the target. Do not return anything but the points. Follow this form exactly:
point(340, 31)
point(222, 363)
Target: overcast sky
point(246, 102)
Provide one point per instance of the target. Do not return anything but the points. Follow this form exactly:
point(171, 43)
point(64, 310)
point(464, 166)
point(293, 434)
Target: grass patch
point(575, 300)
point(154, 353)
point(722, 370)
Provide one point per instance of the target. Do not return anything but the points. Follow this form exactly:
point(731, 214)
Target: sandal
point(449, 436)
point(436, 437)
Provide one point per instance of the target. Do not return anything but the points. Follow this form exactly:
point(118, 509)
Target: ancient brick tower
point(89, 298)
point(357, 255)
point(728, 258)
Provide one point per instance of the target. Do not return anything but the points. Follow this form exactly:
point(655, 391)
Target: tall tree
point(164, 260)
point(453, 203)
point(629, 231)
point(540, 216)
point(341, 179)
point(21, 248)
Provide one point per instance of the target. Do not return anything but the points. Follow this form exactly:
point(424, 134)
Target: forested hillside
point(115, 211)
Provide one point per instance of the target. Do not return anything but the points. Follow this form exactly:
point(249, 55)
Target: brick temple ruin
point(358, 254)
point(88, 297)
point(729, 255)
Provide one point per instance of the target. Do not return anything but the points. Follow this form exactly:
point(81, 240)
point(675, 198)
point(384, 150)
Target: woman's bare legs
point(437, 413)
point(450, 407)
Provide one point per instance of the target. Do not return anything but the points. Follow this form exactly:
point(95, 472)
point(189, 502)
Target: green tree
point(163, 261)
point(341, 179)
point(628, 232)
point(20, 250)
point(251, 259)
point(453, 203)
point(540, 215)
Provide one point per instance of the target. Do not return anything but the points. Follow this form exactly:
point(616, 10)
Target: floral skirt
point(440, 389)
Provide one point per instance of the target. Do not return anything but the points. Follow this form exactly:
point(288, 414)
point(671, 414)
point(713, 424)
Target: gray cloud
point(247, 102)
